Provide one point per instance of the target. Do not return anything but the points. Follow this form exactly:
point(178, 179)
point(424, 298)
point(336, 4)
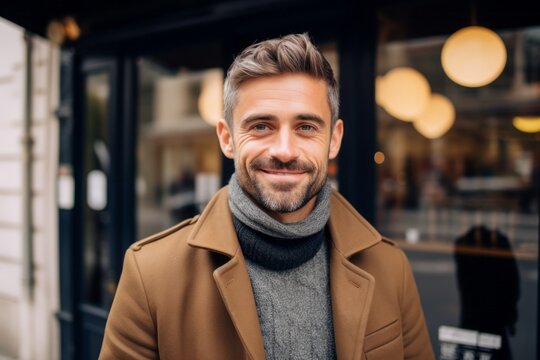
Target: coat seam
point(365, 312)
point(385, 344)
point(402, 294)
point(145, 292)
point(382, 328)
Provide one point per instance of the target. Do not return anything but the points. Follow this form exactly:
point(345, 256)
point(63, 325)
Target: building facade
point(29, 283)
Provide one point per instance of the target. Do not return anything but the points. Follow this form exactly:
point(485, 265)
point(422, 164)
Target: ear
point(224, 135)
point(335, 140)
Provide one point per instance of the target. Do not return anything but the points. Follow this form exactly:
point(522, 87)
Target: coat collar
point(214, 229)
point(351, 287)
point(350, 232)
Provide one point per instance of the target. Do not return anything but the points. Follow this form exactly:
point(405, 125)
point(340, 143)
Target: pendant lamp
point(473, 56)
point(211, 97)
point(437, 118)
point(403, 92)
point(527, 124)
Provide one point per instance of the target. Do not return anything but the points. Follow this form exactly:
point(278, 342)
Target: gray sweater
point(294, 309)
point(292, 293)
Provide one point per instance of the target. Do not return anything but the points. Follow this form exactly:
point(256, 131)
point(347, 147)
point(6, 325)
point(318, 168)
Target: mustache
point(276, 164)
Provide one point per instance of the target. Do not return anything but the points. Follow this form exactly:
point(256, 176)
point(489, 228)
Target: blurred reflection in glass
point(98, 284)
point(479, 177)
point(488, 285)
point(178, 157)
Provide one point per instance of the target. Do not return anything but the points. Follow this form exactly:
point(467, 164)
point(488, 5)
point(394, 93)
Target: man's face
point(281, 141)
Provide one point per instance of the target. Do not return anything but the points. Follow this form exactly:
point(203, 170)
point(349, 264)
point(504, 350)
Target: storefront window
point(178, 156)
point(458, 185)
point(98, 289)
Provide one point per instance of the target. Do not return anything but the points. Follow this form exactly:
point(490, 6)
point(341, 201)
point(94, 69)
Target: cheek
point(245, 154)
point(317, 153)
point(251, 149)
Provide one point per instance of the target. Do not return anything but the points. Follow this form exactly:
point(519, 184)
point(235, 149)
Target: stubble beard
point(279, 198)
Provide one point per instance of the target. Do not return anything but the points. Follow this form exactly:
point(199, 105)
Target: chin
point(284, 202)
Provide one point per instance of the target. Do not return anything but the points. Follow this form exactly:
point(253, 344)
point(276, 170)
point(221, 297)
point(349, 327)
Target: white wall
point(28, 328)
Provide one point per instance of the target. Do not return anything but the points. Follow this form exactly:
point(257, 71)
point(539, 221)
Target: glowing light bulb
point(379, 157)
point(211, 96)
point(404, 93)
point(527, 124)
point(473, 56)
point(437, 119)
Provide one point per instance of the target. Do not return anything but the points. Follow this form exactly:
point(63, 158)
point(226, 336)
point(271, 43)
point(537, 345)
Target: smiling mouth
point(282, 172)
point(276, 170)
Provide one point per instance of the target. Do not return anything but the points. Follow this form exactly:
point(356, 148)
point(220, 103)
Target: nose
point(283, 147)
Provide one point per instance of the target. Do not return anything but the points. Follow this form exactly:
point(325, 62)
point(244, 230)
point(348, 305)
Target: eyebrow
point(312, 117)
point(270, 117)
point(257, 117)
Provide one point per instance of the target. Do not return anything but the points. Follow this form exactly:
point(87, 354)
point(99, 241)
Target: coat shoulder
point(385, 251)
point(164, 234)
point(389, 242)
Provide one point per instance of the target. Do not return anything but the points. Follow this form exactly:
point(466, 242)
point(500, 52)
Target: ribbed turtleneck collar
point(275, 253)
point(271, 243)
point(245, 210)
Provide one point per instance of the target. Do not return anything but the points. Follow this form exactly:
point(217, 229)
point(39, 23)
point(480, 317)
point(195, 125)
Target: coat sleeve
point(130, 332)
point(416, 342)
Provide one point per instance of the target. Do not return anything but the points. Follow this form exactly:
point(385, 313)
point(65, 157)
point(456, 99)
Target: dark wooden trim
point(129, 93)
point(357, 49)
point(68, 222)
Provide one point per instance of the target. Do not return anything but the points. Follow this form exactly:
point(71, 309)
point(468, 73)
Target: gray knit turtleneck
point(245, 210)
point(289, 272)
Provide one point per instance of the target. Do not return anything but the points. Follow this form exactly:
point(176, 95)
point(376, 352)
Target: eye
point(306, 128)
point(260, 128)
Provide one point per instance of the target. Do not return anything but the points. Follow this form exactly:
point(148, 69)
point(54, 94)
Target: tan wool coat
point(185, 293)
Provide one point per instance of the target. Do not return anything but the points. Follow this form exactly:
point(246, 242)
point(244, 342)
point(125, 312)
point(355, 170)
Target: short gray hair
point(293, 53)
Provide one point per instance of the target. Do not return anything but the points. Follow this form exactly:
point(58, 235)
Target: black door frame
point(92, 318)
point(74, 316)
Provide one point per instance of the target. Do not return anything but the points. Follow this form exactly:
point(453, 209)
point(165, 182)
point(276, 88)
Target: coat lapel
point(351, 287)
point(215, 231)
point(352, 291)
point(234, 286)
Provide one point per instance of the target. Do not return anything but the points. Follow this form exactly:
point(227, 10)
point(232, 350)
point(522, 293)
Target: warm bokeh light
point(58, 31)
point(379, 83)
point(474, 56)
point(527, 124)
point(55, 32)
point(71, 28)
point(404, 93)
point(379, 157)
point(332, 169)
point(437, 118)
point(211, 97)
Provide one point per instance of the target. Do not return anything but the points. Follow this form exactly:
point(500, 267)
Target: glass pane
point(96, 171)
point(178, 155)
point(463, 201)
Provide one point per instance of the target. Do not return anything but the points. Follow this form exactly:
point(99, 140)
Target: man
point(278, 265)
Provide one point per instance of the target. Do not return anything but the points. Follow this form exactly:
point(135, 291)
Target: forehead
point(287, 93)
